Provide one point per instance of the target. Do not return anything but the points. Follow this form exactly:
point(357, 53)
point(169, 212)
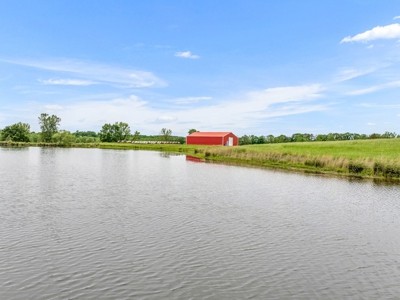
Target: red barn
point(212, 138)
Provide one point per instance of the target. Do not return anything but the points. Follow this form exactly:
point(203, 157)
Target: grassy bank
point(362, 158)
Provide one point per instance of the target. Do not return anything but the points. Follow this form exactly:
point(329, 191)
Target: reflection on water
point(169, 154)
point(193, 158)
point(106, 224)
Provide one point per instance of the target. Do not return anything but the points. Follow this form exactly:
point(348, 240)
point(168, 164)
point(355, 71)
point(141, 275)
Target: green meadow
point(378, 158)
point(386, 149)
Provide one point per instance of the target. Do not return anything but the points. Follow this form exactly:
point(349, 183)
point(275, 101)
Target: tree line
point(309, 137)
point(50, 133)
point(118, 131)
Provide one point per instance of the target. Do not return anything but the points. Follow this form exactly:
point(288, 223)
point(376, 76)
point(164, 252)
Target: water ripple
point(105, 224)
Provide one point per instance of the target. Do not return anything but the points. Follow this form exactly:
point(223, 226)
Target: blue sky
point(250, 67)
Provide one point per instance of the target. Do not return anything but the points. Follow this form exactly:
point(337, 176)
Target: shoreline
point(365, 168)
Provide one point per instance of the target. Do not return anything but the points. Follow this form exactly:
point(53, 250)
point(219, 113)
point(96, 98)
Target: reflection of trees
point(169, 154)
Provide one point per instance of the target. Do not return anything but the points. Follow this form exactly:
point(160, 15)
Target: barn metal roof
point(210, 134)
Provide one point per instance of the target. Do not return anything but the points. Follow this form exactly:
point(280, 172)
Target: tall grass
point(364, 158)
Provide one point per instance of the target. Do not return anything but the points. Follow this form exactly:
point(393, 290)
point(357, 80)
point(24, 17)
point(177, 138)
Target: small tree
point(18, 132)
point(64, 138)
point(135, 136)
point(192, 131)
point(49, 126)
point(114, 132)
point(165, 134)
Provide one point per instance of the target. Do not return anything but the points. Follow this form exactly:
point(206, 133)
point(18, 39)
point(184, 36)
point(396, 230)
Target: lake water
point(109, 224)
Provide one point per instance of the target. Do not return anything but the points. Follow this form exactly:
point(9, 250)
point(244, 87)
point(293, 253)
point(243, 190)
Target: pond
point(112, 224)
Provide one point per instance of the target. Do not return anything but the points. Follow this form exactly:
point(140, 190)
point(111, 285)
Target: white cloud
point(245, 111)
point(166, 119)
point(370, 47)
point(53, 107)
point(347, 74)
point(186, 54)
point(374, 88)
point(188, 100)
point(395, 18)
point(380, 32)
point(68, 82)
point(371, 124)
point(373, 105)
point(96, 72)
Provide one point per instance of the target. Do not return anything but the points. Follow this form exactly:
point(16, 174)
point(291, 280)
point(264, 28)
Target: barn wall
point(213, 140)
point(203, 140)
point(235, 139)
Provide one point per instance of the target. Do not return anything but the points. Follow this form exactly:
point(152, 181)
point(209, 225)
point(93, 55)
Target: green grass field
point(363, 158)
point(386, 149)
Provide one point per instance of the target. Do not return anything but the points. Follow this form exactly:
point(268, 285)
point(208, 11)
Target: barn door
point(230, 141)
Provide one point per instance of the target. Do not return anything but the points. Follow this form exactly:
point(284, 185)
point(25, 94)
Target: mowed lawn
point(386, 149)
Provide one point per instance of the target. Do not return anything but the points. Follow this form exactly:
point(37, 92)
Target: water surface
point(112, 224)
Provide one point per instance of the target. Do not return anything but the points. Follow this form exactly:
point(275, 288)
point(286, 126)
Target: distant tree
point(18, 132)
point(192, 131)
point(330, 137)
point(106, 133)
point(136, 136)
point(253, 139)
point(321, 137)
point(123, 131)
point(374, 136)
point(347, 136)
point(35, 137)
point(63, 138)
point(85, 133)
point(282, 139)
point(244, 140)
point(114, 132)
point(49, 126)
point(297, 137)
point(389, 135)
point(181, 139)
point(308, 137)
point(261, 140)
point(165, 134)
point(269, 139)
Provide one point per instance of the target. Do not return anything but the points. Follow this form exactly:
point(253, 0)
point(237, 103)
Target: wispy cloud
point(166, 119)
point(188, 100)
point(374, 105)
point(380, 32)
point(350, 73)
point(247, 110)
point(67, 82)
point(186, 54)
point(374, 88)
point(95, 72)
point(53, 107)
point(395, 18)
point(371, 124)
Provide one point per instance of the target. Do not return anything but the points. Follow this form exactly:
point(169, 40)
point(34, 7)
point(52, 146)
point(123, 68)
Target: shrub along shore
point(361, 158)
